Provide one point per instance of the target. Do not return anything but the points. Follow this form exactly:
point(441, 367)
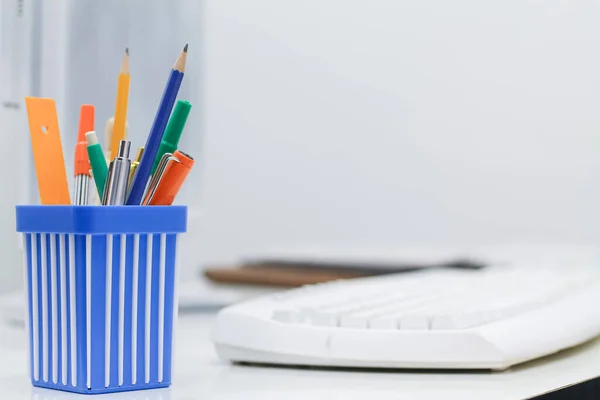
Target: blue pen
point(142, 174)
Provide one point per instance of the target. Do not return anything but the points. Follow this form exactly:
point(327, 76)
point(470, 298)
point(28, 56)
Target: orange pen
point(82, 161)
point(172, 180)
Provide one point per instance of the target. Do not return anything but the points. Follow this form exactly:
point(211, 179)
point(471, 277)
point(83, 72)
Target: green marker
point(97, 161)
point(173, 131)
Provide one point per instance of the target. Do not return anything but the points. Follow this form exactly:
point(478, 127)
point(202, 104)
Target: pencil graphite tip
point(185, 48)
point(127, 50)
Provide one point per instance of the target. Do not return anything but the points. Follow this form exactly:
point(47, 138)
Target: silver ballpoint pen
point(117, 180)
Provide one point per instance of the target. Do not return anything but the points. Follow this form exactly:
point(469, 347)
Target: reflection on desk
point(47, 394)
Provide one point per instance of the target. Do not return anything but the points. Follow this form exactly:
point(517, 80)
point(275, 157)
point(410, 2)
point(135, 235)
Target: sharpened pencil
point(118, 133)
point(142, 174)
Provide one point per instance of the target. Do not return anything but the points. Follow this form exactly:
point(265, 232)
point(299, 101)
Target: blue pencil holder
point(101, 286)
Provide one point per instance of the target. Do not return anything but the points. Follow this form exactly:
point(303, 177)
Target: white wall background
point(15, 81)
point(347, 123)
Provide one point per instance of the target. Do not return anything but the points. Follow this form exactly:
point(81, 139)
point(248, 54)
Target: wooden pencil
point(142, 174)
point(118, 133)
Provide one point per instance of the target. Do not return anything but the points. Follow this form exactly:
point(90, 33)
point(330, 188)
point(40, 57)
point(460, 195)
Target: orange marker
point(47, 151)
point(172, 180)
point(82, 161)
point(86, 124)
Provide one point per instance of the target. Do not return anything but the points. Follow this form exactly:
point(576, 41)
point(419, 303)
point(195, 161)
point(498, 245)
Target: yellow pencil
point(121, 106)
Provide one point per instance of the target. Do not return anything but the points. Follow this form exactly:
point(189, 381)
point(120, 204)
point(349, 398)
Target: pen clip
point(156, 178)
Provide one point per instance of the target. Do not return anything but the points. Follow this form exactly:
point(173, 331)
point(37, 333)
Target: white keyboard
point(442, 318)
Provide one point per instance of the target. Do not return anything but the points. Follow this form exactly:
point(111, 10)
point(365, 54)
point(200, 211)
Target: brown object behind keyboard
point(273, 276)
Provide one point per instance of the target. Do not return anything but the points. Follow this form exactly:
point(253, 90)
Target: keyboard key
point(457, 321)
point(414, 323)
point(324, 319)
point(354, 322)
point(287, 316)
point(383, 323)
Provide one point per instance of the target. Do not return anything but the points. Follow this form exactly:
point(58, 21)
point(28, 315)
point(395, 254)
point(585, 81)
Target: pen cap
point(177, 122)
point(97, 161)
point(86, 121)
point(184, 159)
point(174, 130)
point(172, 179)
point(86, 124)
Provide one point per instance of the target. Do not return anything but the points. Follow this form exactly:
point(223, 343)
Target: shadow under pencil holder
point(101, 286)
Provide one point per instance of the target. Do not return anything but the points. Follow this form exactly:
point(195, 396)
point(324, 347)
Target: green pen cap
point(97, 161)
point(173, 131)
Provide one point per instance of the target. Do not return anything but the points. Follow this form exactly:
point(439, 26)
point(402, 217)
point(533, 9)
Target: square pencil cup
point(102, 301)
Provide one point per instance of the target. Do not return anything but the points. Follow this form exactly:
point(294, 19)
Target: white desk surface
point(200, 375)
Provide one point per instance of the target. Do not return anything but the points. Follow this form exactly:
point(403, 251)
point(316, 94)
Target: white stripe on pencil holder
point(101, 285)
